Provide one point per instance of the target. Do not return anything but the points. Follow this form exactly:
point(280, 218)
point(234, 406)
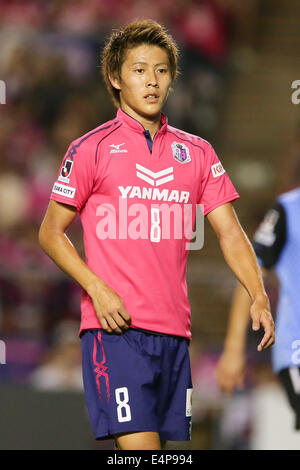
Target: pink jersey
point(123, 184)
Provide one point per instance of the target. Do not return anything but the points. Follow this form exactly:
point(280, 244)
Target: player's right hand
point(261, 316)
point(230, 371)
point(110, 309)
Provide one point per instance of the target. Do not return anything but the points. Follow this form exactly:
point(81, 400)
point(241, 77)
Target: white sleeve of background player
point(76, 176)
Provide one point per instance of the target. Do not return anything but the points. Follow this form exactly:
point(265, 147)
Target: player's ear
point(115, 81)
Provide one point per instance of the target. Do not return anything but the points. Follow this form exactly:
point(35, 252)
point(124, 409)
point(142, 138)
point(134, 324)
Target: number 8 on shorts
point(123, 408)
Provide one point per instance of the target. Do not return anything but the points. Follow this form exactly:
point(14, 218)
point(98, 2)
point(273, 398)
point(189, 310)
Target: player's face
point(145, 81)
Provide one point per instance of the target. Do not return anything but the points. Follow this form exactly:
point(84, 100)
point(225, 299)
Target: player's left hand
point(260, 313)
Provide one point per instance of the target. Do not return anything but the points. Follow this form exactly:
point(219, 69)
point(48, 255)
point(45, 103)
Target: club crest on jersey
point(181, 152)
point(66, 171)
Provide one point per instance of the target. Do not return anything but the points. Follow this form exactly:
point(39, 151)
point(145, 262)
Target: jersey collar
point(136, 125)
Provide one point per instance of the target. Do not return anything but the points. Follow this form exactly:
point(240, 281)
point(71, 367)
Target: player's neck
point(152, 124)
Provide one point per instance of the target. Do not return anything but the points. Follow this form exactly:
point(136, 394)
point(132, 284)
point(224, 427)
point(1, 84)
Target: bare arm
point(230, 372)
point(240, 257)
point(239, 320)
point(249, 298)
point(108, 304)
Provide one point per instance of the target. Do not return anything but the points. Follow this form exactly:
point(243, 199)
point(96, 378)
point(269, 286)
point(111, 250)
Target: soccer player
point(135, 324)
point(277, 246)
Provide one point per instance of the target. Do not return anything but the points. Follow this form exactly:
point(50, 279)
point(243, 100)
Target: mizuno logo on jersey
point(116, 148)
point(155, 179)
point(154, 194)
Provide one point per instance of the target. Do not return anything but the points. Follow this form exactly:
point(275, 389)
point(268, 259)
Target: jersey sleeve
point(75, 178)
point(270, 237)
point(216, 187)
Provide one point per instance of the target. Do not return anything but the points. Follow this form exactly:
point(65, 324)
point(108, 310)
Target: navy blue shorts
point(137, 381)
